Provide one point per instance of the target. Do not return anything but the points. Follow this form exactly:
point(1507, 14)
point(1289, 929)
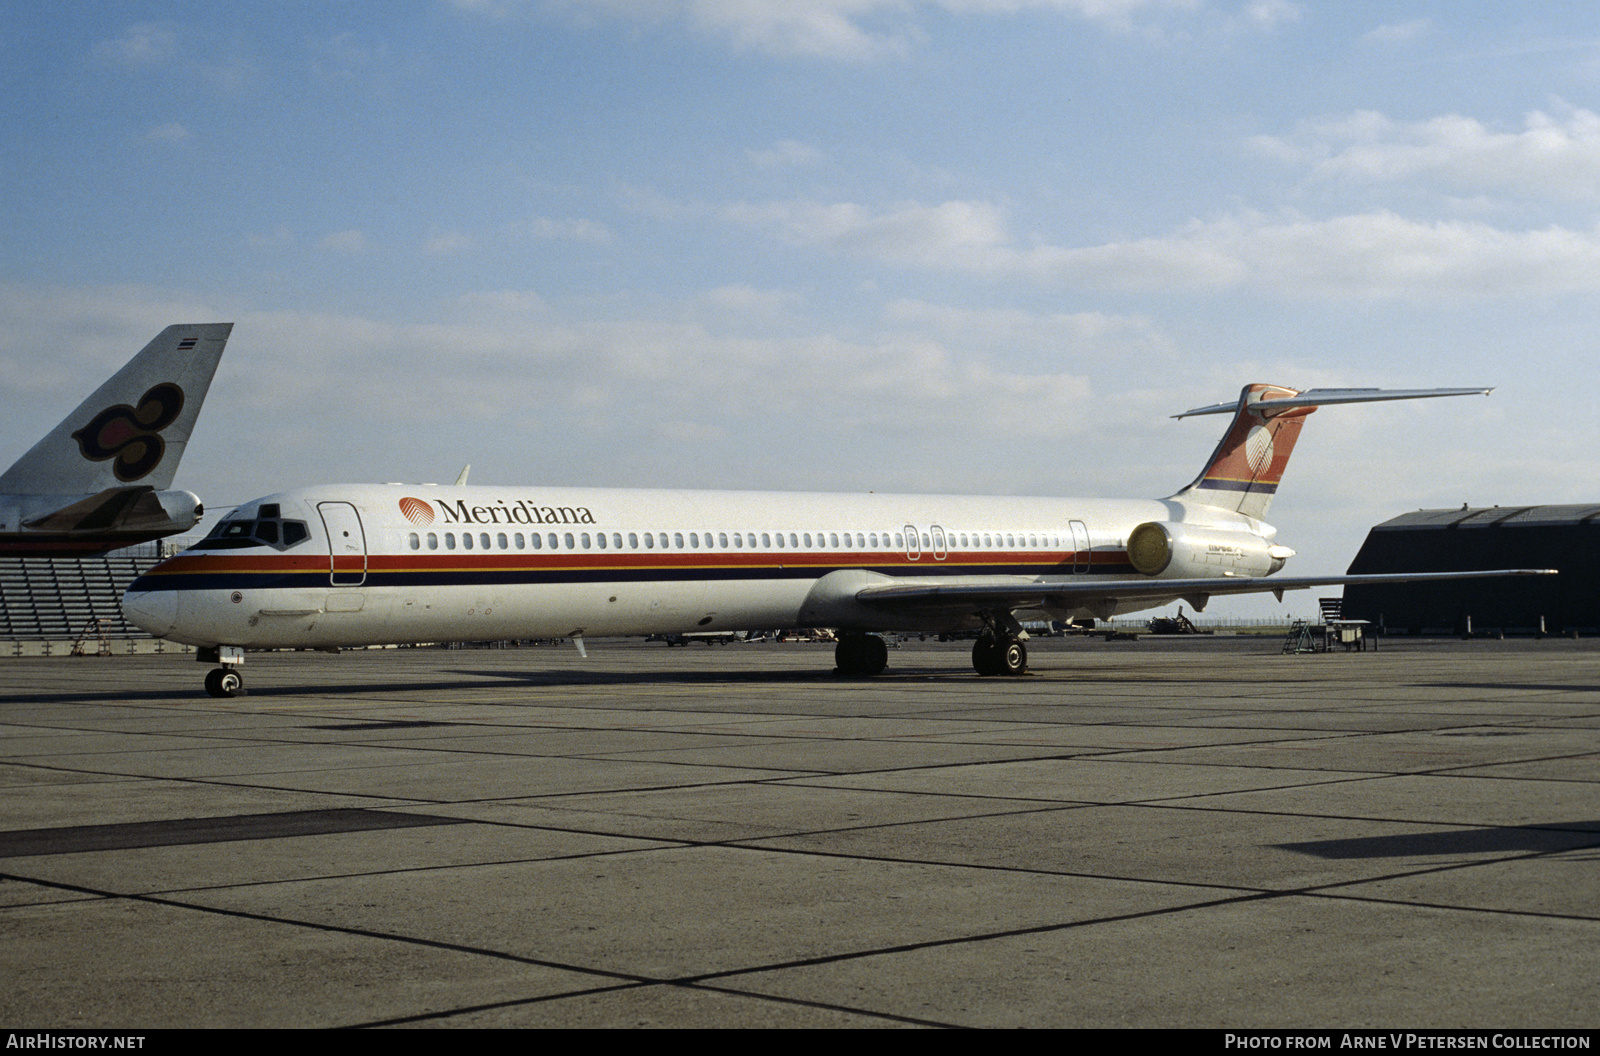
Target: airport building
point(56, 605)
point(1566, 538)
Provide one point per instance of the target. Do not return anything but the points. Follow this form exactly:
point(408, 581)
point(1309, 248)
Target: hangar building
point(1560, 537)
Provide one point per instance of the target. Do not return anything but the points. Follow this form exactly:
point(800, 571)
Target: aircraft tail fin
point(1243, 472)
point(133, 430)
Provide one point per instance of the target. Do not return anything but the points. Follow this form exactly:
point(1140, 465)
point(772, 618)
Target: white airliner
point(98, 480)
point(375, 564)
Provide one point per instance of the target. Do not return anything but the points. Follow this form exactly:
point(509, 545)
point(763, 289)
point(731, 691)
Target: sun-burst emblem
point(1258, 448)
point(416, 511)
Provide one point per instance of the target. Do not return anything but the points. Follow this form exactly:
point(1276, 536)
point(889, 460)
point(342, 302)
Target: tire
point(224, 683)
point(1013, 657)
point(861, 654)
point(986, 656)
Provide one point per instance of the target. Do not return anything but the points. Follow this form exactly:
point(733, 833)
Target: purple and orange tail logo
point(132, 435)
point(416, 511)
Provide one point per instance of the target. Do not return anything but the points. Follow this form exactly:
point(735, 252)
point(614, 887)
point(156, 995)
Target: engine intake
point(1180, 551)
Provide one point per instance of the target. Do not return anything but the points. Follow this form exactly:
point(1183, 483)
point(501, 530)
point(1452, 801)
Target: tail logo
point(1258, 448)
point(132, 435)
point(416, 511)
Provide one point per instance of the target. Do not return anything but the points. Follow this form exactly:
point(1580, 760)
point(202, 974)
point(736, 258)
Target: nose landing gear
point(224, 681)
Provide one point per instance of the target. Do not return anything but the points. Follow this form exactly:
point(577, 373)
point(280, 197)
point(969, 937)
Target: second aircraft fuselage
point(376, 564)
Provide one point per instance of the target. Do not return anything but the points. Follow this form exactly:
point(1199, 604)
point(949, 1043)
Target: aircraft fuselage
point(401, 563)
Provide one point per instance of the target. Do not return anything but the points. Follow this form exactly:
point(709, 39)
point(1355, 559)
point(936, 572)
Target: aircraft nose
point(155, 611)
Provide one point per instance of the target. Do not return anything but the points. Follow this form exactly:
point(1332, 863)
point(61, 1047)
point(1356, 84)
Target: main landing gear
point(225, 681)
point(999, 650)
point(861, 654)
point(999, 655)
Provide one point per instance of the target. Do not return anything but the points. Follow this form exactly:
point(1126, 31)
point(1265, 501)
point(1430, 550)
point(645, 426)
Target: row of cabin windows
point(723, 541)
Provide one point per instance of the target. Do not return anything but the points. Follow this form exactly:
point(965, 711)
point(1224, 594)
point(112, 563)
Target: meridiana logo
point(416, 511)
point(1258, 448)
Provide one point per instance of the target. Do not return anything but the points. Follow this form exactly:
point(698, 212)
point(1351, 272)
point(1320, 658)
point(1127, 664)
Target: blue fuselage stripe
point(401, 578)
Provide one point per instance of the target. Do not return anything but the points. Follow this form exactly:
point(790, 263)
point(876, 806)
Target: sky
point(963, 246)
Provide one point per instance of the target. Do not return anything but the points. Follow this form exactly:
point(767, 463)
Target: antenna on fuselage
point(461, 481)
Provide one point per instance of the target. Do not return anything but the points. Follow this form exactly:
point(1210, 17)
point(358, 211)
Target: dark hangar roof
point(1493, 517)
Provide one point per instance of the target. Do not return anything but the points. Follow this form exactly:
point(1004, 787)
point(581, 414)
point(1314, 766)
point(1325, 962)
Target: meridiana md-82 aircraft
point(99, 479)
point(350, 565)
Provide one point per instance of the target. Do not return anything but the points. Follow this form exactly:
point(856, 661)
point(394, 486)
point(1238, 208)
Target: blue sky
point(925, 245)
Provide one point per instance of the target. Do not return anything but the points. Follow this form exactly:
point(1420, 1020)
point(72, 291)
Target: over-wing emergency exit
point(99, 479)
point(349, 565)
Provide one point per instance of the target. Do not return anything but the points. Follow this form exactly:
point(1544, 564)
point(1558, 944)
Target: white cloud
point(567, 230)
point(171, 132)
point(785, 154)
point(1398, 32)
point(1271, 13)
point(1080, 336)
point(849, 30)
point(1551, 155)
point(156, 46)
point(747, 303)
point(448, 243)
point(950, 234)
point(514, 302)
point(144, 45)
point(347, 241)
point(344, 56)
point(522, 389)
point(1374, 254)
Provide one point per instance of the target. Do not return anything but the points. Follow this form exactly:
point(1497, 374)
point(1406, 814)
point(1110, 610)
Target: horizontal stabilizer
point(1325, 397)
point(135, 509)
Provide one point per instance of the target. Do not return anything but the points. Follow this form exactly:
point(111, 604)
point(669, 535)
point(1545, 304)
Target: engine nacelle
point(181, 509)
point(1181, 551)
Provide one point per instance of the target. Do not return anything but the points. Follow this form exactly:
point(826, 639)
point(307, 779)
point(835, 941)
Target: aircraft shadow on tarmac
point(261, 686)
point(1556, 836)
point(1531, 687)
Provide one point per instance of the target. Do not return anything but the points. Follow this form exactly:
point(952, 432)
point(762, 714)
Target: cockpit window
point(269, 529)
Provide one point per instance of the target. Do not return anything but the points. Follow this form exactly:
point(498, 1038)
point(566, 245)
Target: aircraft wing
point(1001, 593)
